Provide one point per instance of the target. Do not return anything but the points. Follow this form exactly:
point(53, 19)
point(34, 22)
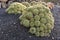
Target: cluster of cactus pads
point(15, 8)
point(26, 4)
point(18, 8)
point(38, 18)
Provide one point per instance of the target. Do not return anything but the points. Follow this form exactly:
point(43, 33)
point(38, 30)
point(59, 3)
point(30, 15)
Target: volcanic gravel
point(10, 28)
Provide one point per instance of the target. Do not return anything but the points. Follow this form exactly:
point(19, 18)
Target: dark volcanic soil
point(10, 29)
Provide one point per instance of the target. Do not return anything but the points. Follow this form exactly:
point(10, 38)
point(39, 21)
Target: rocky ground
point(10, 29)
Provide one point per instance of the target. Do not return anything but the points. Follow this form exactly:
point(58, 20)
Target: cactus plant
point(26, 4)
point(33, 3)
point(39, 19)
point(15, 8)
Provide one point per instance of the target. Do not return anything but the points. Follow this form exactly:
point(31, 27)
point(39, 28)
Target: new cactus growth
point(32, 24)
point(15, 8)
point(37, 23)
point(25, 23)
point(32, 30)
point(37, 17)
point(29, 15)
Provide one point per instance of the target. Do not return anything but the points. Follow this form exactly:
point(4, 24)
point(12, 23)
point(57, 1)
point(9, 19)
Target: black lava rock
point(10, 28)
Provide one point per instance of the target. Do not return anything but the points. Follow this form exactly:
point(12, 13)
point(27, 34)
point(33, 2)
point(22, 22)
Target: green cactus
point(26, 4)
point(36, 17)
point(15, 8)
point(37, 33)
point(35, 11)
point(43, 20)
point(32, 24)
point(37, 23)
point(33, 3)
point(42, 34)
point(32, 30)
point(26, 23)
point(41, 15)
point(39, 19)
point(29, 15)
point(32, 19)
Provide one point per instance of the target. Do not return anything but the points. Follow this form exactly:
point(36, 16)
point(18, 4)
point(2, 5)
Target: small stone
point(54, 29)
point(9, 30)
point(6, 34)
point(30, 36)
point(14, 23)
point(53, 38)
point(2, 32)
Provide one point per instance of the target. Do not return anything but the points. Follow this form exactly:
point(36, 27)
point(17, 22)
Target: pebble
point(6, 34)
point(2, 32)
point(30, 36)
point(9, 30)
point(14, 23)
point(53, 38)
point(54, 29)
